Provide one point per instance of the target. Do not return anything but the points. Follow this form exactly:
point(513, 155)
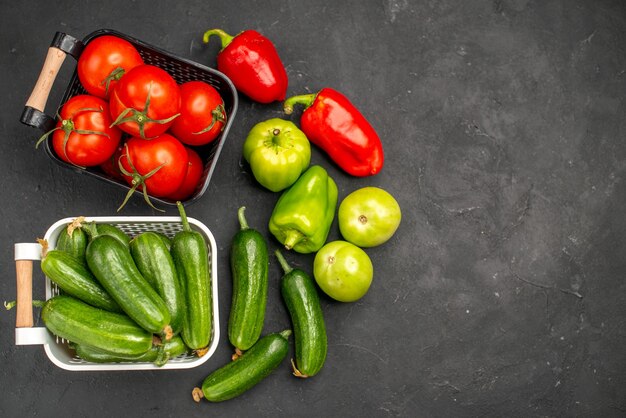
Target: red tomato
point(159, 164)
point(111, 167)
point(195, 169)
point(103, 61)
point(83, 135)
point(145, 101)
point(202, 114)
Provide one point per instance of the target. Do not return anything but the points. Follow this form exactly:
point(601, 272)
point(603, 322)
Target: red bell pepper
point(334, 124)
point(251, 61)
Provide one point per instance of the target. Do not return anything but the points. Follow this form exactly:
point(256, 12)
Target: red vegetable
point(195, 169)
point(202, 114)
point(251, 61)
point(334, 124)
point(145, 101)
point(103, 62)
point(82, 135)
point(157, 166)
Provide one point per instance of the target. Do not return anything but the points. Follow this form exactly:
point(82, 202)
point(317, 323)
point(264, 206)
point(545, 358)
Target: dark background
point(503, 123)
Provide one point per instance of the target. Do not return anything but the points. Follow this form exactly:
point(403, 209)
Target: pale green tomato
point(343, 271)
point(368, 217)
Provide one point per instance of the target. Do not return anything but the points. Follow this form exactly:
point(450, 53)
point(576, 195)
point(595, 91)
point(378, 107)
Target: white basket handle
point(25, 333)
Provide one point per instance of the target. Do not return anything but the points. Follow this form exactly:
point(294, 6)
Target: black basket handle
point(33, 114)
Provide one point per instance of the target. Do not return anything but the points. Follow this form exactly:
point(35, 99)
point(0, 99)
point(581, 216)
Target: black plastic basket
point(181, 69)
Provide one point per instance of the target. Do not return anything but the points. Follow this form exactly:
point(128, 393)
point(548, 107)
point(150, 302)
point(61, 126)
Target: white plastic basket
point(58, 349)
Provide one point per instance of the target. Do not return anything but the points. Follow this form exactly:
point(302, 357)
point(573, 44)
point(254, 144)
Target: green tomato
point(278, 152)
point(368, 217)
point(343, 271)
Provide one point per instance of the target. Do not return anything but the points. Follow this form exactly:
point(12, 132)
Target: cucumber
point(249, 369)
point(303, 303)
point(157, 354)
point(113, 231)
point(190, 253)
point(75, 279)
point(80, 323)
point(112, 264)
point(155, 263)
point(73, 239)
point(166, 240)
point(249, 268)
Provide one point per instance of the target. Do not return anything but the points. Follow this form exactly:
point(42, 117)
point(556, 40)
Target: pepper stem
point(224, 37)
point(285, 334)
point(283, 262)
point(305, 99)
point(183, 216)
point(292, 237)
point(242, 218)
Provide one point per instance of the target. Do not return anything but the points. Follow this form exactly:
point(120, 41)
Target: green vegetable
point(278, 152)
point(112, 264)
point(304, 213)
point(242, 374)
point(113, 231)
point(158, 354)
point(303, 303)
point(75, 279)
point(190, 254)
point(73, 239)
point(249, 267)
point(155, 263)
point(80, 323)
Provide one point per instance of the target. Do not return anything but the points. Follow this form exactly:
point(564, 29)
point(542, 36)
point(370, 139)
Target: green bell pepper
point(304, 213)
point(278, 152)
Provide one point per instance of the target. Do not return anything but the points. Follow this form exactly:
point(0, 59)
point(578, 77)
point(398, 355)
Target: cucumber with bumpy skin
point(303, 303)
point(157, 354)
point(190, 253)
point(249, 267)
point(74, 278)
point(246, 371)
point(112, 264)
point(73, 239)
point(80, 323)
point(155, 263)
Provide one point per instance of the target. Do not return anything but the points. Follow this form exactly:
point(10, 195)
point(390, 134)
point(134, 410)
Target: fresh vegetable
point(343, 271)
point(103, 62)
point(195, 170)
point(251, 61)
point(83, 135)
point(304, 213)
point(74, 278)
point(303, 303)
point(73, 240)
point(278, 152)
point(155, 263)
point(145, 101)
point(81, 323)
point(190, 254)
point(368, 217)
point(249, 268)
point(334, 124)
point(202, 114)
point(158, 354)
point(111, 230)
point(242, 374)
point(112, 264)
point(157, 166)
point(111, 167)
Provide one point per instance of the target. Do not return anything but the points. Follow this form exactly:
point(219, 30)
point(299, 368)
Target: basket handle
point(33, 114)
point(25, 253)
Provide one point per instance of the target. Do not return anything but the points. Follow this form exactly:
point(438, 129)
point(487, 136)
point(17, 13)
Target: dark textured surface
point(503, 122)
